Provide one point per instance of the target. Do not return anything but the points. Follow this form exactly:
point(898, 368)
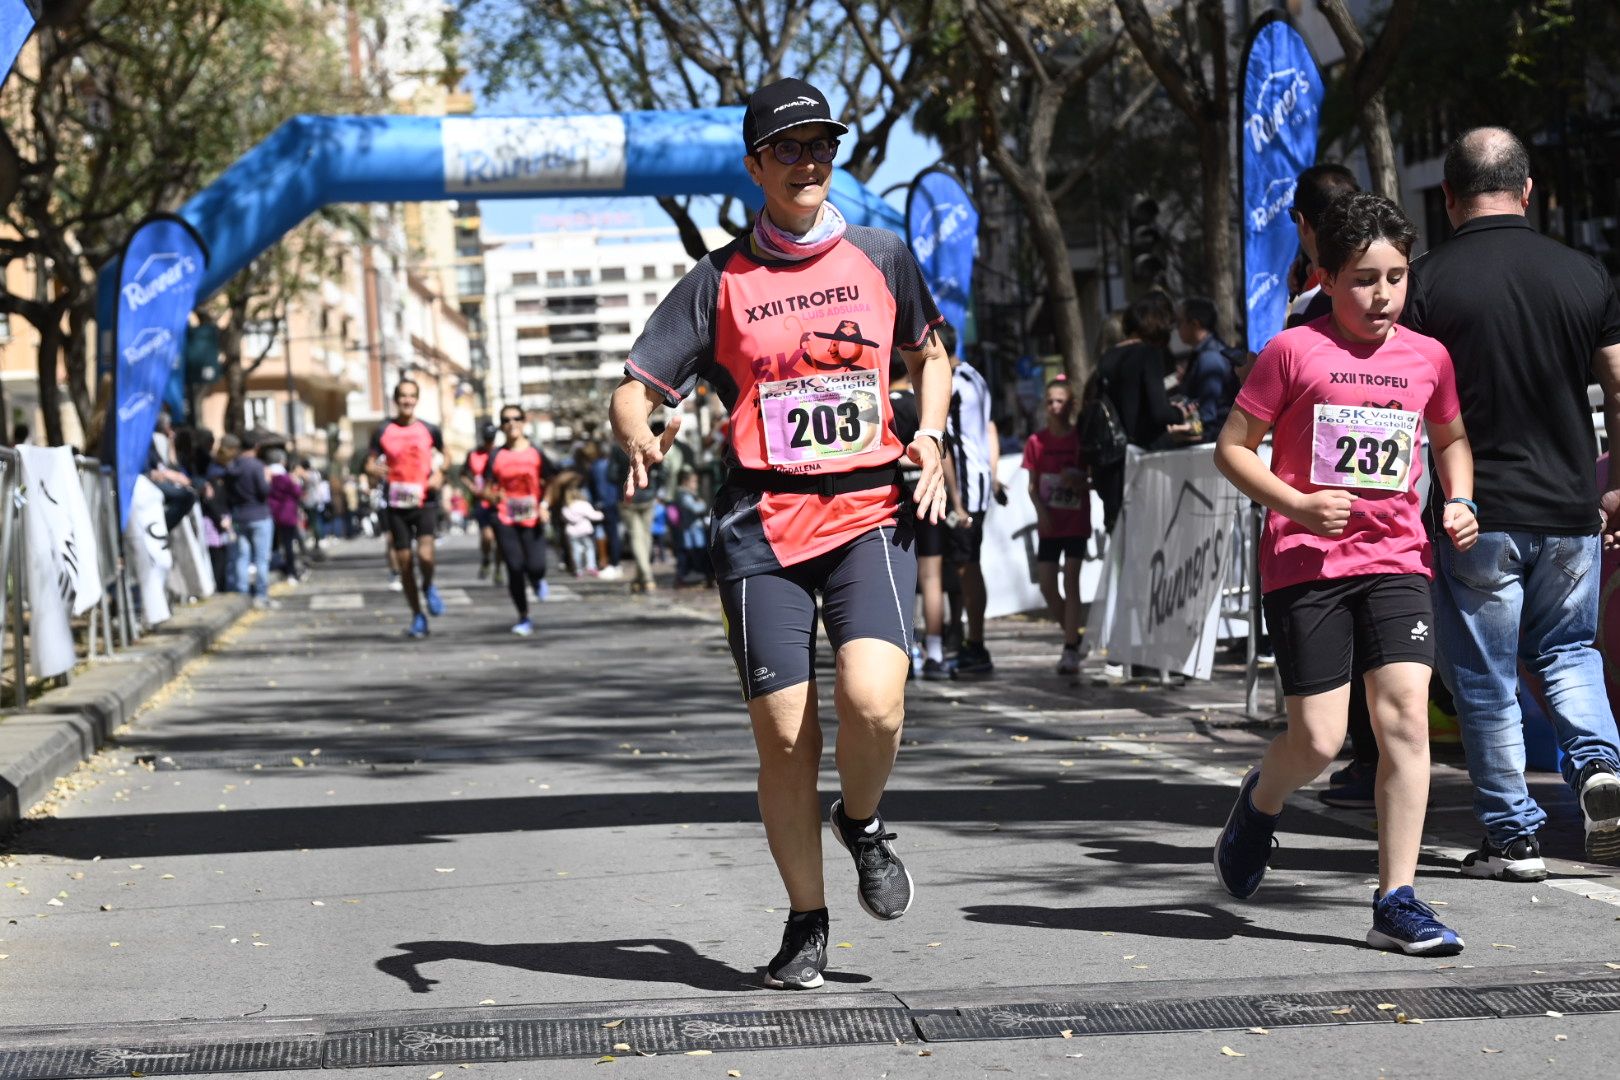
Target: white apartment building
point(562, 310)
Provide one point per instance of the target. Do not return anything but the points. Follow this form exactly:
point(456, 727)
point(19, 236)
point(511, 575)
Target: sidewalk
point(325, 820)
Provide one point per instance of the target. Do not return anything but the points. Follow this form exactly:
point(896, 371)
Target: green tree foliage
point(129, 109)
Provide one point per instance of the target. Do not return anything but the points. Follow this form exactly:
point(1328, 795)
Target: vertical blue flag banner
point(1282, 106)
point(158, 274)
point(16, 23)
point(942, 227)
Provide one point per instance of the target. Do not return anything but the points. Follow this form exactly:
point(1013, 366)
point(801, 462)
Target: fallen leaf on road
point(1066, 1033)
point(136, 866)
point(700, 1053)
point(53, 902)
point(1500, 945)
point(298, 762)
point(1066, 763)
point(114, 944)
point(1402, 1018)
point(925, 1053)
point(487, 1001)
point(1129, 956)
point(437, 1076)
point(444, 869)
point(935, 944)
point(1229, 1052)
point(166, 877)
point(261, 944)
point(1341, 1012)
point(613, 1023)
point(1488, 1050)
point(1612, 967)
point(1555, 1015)
point(1259, 1031)
point(606, 1059)
point(845, 945)
point(1384, 1006)
point(733, 1072)
point(317, 903)
point(1560, 1038)
point(1020, 738)
point(621, 1046)
point(1139, 967)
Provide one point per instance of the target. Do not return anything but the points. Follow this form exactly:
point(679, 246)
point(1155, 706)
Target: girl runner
point(1345, 561)
point(1062, 498)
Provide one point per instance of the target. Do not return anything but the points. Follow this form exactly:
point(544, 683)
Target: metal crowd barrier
point(113, 613)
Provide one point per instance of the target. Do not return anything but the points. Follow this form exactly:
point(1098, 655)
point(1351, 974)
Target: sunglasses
point(511, 420)
point(789, 151)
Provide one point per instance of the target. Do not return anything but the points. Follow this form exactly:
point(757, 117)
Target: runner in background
point(1345, 560)
point(1062, 498)
point(794, 325)
point(975, 452)
point(405, 458)
point(517, 475)
point(483, 510)
point(930, 536)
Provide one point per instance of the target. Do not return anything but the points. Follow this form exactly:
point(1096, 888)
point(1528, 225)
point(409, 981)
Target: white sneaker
point(609, 573)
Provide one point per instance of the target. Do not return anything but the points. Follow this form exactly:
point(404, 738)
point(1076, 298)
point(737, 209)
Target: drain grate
point(1203, 1014)
point(174, 1057)
point(438, 1037)
point(1536, 999)
point(517, 1040)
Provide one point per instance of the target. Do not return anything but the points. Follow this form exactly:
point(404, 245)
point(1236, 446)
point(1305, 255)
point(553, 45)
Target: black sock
point(802, 915)
point(853, 827)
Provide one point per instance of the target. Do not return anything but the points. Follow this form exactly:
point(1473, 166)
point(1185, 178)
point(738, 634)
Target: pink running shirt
point(1313, 365)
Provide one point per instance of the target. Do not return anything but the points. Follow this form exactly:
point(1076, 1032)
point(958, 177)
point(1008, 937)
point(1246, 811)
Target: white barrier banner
point(51, 557)
point(56, 493)
point(1160, 598)
point(146, 539)
point(193, 574)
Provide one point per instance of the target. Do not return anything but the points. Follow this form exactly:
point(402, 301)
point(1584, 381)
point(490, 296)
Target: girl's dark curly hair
point(1354, 222)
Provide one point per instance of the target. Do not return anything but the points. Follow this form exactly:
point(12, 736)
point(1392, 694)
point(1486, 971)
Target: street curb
point(66, 726)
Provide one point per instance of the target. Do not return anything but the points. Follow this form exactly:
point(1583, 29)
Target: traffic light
point(1146, 242)
point(202, 355)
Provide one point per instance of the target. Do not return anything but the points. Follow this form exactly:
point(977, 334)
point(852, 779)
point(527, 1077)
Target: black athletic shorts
point(930, 537)
point(1325, 632)
point(404, 526)
point(485, 515)
point(1051, 547)
point(867, 590)
point(962, 543)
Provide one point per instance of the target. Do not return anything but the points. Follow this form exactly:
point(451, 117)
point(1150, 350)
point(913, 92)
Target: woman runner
point(793, 324)
point(517, 475)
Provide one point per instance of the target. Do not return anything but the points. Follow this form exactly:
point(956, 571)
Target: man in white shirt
point(976, 451)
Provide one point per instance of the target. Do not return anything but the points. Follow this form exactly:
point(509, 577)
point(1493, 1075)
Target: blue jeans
point(253, 546)
point(1521, 597)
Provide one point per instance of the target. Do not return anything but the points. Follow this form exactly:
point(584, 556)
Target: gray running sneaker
point(1600, 806)
point(1517, 860)
point(884, 885)
point(798, 964)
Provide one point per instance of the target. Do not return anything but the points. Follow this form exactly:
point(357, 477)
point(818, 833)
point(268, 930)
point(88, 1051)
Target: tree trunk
point(230, 351)
point(1220, 250)
point(81, 317)
point(1061, 295)
point(50, 395)
point(1374, 120)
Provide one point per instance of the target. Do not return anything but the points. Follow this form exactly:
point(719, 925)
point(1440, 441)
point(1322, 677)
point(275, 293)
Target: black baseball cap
point(784, 104)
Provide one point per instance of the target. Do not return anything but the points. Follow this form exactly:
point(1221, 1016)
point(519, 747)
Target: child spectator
point(1062, 498)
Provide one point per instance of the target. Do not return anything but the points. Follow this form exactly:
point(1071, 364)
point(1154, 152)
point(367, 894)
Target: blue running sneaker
point(1402, 922)
point(419, 626)
point(1245, 845)
point(1352, 787)
point(524, 628)
point(435, 604)
point(542, 590)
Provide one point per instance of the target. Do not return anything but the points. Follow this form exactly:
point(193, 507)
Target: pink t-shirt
point(1370, 449)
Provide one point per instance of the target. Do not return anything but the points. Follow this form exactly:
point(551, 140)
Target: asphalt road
point(324, 817)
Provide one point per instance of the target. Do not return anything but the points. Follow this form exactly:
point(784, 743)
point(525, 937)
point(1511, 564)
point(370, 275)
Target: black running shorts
point(930, 537)
point(1056, 548)
point(963, 543)
point(1327, 631)
point(867, 589)
point(404, 526)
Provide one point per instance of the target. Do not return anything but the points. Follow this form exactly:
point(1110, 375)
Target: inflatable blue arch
point(311, 161)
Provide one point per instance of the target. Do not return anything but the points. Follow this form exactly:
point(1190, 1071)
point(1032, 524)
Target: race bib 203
point(820, 417)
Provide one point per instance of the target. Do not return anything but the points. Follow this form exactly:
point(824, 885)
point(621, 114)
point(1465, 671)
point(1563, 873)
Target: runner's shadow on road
point(647, 960)
point(1183, 922)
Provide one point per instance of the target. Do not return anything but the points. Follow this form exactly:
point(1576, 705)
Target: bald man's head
point(1486, 161)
